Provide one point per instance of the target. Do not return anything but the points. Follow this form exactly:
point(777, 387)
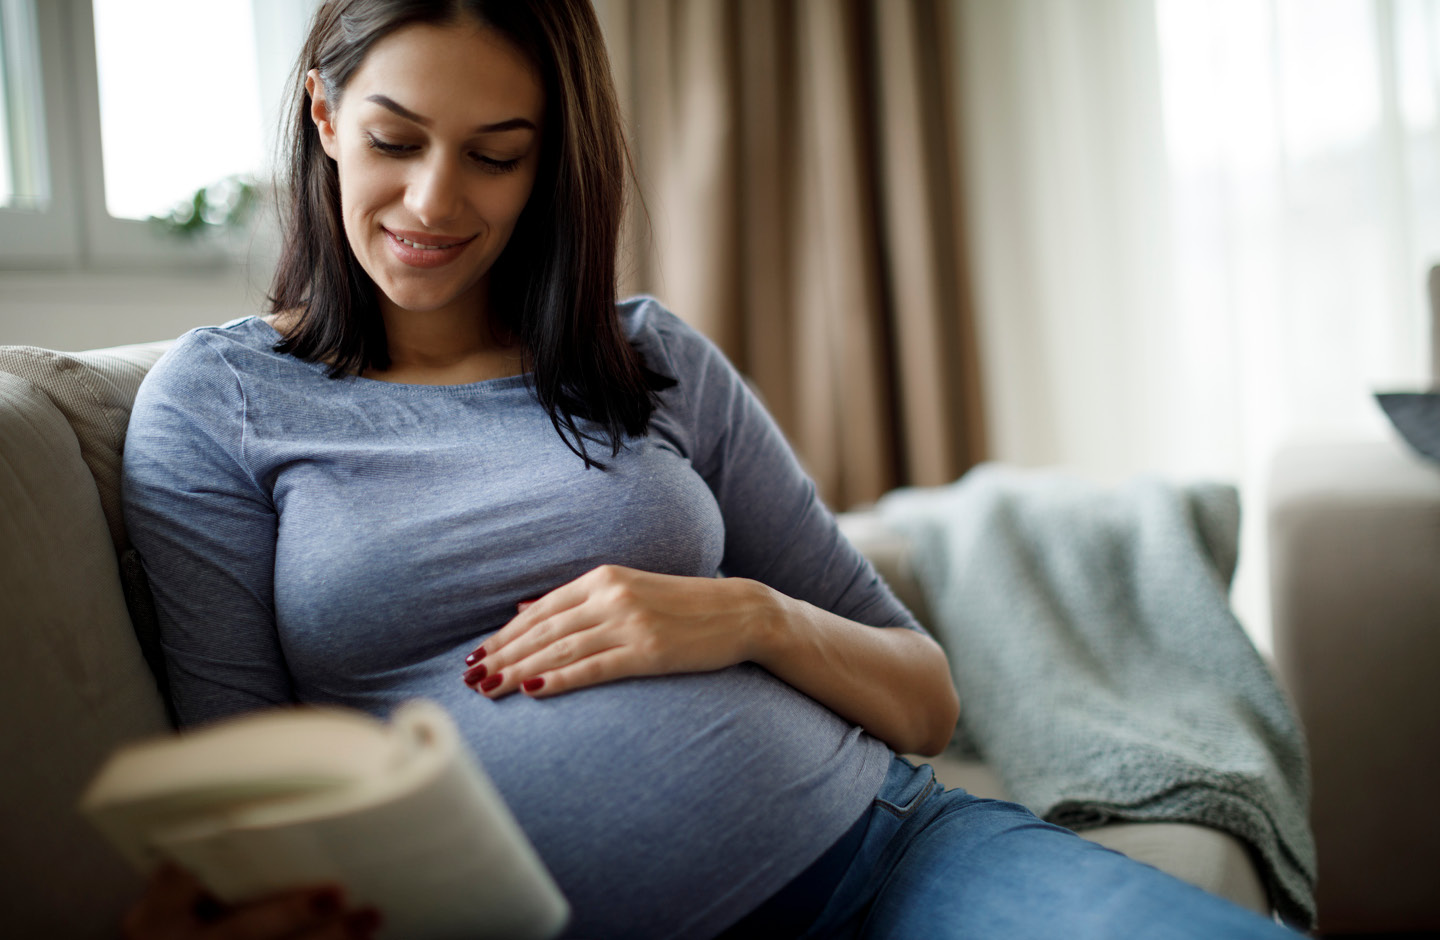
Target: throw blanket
point(1100, 668)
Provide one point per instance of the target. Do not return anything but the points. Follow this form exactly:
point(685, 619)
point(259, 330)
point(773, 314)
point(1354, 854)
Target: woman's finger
point(559, 629)
point(514, 628)
point(170, 899)
point(571, 644)
point(318, 913)
point(527, 615)
point(630, 623)
point(608, 666)
point(176, 906)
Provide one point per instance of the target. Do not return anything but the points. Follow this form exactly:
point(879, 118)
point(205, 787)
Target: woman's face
point(437, 142)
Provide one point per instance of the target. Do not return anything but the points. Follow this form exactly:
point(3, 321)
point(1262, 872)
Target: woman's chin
point(420, 301)
point(428, 292)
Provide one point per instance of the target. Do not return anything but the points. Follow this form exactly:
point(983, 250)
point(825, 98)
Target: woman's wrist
point(770, 624)
point(893, 682)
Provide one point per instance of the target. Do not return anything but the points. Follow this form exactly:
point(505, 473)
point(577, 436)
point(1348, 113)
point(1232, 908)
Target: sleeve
point(205, 530)
point(777, 529)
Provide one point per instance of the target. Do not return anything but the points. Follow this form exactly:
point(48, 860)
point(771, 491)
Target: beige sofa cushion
point(94, 392)
point(72, 681)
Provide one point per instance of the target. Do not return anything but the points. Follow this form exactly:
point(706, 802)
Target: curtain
point(799, 172)
point(1202, 229)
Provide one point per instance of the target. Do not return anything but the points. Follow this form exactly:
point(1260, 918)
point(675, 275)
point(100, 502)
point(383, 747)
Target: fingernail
point(492, 683)
point(533, 685)
point(475, 657)
point(473, 676)
point(326, 902)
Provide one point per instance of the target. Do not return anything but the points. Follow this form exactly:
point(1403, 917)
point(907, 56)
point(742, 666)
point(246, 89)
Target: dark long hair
point(553, 286)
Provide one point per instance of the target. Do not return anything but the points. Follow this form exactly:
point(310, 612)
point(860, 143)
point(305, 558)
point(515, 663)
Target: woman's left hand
point(615, 622)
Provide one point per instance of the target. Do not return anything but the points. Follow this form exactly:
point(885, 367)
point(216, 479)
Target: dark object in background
point(1416, 415)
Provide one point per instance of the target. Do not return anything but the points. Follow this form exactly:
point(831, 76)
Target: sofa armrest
point(73, 684)
point(1355, 584)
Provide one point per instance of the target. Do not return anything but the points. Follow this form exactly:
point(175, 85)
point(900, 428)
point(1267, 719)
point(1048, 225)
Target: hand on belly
point(614, 623)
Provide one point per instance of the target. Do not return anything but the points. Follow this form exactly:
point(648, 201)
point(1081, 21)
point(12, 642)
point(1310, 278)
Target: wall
point(87, 310)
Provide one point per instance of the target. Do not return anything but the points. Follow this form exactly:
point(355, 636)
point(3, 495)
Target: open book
point(401, 815)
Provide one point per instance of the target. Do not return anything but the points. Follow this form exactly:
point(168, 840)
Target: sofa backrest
point(73, 680)
point(94, 392)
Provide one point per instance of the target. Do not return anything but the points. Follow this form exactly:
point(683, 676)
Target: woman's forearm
point(893, 682)
point(616, 622)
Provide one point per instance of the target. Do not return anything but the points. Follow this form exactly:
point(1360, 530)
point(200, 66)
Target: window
point(1303, 140)
point(114, 111)
point(23, 178)
point(37, 225)
point(179, 100)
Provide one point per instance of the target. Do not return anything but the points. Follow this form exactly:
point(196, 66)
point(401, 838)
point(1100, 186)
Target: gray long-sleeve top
point(349, 541)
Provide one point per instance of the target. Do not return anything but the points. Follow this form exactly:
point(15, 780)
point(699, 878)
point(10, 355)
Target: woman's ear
point(321, 112)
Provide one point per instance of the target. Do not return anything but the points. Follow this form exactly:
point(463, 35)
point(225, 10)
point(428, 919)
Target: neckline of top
point(483, 385)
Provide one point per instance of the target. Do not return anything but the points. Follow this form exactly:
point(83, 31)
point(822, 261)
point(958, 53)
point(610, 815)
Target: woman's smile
point(422, 250)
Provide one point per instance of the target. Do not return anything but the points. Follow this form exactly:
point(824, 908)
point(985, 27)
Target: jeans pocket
point(906, 787)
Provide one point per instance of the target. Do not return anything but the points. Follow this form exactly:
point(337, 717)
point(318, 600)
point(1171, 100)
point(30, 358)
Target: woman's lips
point(422, 250)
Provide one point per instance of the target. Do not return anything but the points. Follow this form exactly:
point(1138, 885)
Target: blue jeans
point(929, 862)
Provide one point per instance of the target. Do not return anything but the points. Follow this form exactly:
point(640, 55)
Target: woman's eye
point(492, 165)
point(390, 148)
point(385, 146)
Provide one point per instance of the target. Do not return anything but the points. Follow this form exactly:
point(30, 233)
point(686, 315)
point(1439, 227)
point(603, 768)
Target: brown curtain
point(798, 163)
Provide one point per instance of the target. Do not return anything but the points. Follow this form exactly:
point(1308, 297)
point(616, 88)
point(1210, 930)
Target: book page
point(432, 846)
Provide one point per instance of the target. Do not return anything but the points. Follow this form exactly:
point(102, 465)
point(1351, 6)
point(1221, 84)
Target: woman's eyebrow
point(391, 104)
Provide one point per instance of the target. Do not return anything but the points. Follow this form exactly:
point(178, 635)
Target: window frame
point(75, 230)
point(48, 236)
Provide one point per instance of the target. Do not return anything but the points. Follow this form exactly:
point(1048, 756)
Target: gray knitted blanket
point(1100, 668)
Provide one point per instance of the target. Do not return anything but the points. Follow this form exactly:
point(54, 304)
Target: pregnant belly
point(647, 797)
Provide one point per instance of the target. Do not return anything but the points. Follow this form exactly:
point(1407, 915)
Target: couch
point(76, 681)
point(1354, 535)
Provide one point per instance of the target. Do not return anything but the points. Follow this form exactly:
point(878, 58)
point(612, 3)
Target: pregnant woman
point(449, 464)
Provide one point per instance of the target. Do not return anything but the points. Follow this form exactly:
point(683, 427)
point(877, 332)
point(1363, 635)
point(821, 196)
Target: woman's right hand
point(176, 907)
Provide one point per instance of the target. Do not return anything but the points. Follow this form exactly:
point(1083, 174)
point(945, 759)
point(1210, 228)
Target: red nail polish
point(533, 685)
point(475, 657)
point(492, 683)
point(475, 675)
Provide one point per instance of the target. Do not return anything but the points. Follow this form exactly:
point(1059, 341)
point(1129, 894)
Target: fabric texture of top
point(349, 541)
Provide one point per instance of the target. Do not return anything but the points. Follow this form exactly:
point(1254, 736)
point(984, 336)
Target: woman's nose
point(434, 191)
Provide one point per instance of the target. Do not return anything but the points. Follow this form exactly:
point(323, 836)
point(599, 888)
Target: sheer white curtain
point(1201, 229)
